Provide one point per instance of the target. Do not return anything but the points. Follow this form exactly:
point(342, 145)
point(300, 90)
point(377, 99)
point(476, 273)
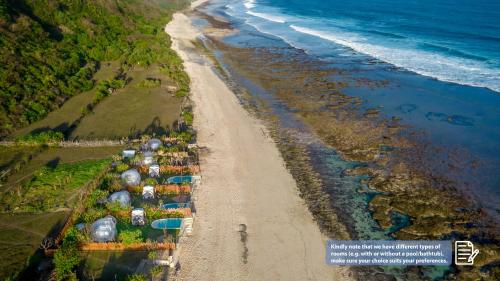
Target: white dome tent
point(131, 177)
point(104, 230)
point(120, 196)
point(154, 144)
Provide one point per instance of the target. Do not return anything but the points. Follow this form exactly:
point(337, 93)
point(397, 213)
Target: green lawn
point(132, 110)
point(53, 156)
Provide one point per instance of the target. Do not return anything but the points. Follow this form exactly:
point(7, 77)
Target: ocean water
point(441, 60)
point(452, 40)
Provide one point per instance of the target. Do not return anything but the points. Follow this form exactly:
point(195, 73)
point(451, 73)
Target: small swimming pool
point(180, 179)
point(176, 205)
point(171, 223)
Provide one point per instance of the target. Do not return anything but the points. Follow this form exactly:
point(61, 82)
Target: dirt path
point(251, 223)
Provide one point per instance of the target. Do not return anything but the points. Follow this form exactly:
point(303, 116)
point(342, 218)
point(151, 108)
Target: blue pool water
point(180, 179)
point(173, 223)
point(451, 40)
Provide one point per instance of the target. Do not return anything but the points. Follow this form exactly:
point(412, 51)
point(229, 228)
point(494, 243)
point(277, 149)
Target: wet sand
point(251, 223)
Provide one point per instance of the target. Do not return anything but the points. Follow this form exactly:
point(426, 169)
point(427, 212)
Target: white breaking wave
point(249, 4)
point(268, 17)
point(462, 71)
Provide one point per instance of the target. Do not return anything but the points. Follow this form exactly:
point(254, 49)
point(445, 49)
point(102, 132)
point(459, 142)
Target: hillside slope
point(50, 49)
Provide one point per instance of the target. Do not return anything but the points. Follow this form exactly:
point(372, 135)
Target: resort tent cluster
point(144, 199)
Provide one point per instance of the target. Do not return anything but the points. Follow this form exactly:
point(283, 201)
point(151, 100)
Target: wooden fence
point(114, 246)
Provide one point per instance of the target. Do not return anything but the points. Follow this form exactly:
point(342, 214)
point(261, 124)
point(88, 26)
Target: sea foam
point(461, 71)
point(268, 17)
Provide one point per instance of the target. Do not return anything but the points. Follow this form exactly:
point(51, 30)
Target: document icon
point(465, 253)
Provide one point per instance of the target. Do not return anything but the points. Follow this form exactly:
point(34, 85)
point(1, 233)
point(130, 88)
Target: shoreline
point(251, 223)
point(268, 75)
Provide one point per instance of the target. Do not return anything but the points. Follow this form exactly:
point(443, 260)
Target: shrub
point(95, 196)
point(129, 237)
point(67, 257)
point(116, 207)
point(150, 181)
point(149, 83)
point(92, 215)
point(47, 137)
point(156, 270)
point(122, 167)
point(136, 277)
point(152, 255)
point(188, 117)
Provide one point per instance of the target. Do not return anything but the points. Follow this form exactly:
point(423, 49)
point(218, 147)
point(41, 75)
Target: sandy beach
point(251, 223)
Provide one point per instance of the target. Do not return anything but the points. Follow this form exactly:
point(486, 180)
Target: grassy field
point(10, 155)
point(133, 110)
point(53, 156)
point(62, 118)
point(20, 237)
point(22, 233)
point(53, 187)
point(110, 265)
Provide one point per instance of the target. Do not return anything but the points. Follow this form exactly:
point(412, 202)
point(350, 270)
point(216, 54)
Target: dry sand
point(244, 182)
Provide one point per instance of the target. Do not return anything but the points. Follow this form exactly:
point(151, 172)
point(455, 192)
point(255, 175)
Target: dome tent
point(154, 144)
point(104, 230)
point(131, 177)
point(120, 196)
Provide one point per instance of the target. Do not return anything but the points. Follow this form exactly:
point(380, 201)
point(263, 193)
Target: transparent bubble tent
point(154, 144)
point(131, 177)
point(120, 196)
point(104, 230)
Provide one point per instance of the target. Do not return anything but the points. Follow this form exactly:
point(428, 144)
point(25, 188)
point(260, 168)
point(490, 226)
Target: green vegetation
point(122, 167)
point(67, 257)
point(104, 89)
point(47, 190)
point(132, 111)
point(188, 117)
point(50, 50)
point(129, 237)
point(150, 181)
point(48, 137)
point(156, 270)
point(152, 255)
point(137, 277)
point(150, 83)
